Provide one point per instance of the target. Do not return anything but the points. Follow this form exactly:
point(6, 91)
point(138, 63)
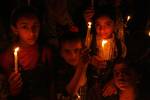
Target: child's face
point(123, 77)
point(70, 51)
point(104, 27)
point(27, 28)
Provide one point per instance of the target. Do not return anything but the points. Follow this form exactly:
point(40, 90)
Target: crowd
point(53, 61)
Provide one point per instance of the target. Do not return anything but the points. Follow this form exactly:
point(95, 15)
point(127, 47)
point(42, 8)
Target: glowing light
point(128, 18)
point(89, 24)
point(104, 42)
point(88, 36)
point(149, 33)
point(16, 58)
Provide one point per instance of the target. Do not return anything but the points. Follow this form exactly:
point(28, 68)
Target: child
point(109, 49)
point(71, 68)
point(125, 78)
point(34, 60)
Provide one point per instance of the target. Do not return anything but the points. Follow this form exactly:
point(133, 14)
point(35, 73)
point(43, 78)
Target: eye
point(109, 24)
point(23, 26)
point(77, 50)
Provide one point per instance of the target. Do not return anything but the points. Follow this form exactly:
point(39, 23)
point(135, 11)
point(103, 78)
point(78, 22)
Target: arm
point(78, 79)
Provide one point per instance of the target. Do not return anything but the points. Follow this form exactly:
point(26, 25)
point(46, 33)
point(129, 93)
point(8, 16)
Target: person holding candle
point(30, 81)
point(108, 49)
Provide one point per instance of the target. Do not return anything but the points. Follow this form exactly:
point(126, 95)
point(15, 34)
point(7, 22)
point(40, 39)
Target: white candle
point(104, 51)
point(16, 58)
point(104, 43)
point(128, 18)
point(88, 35)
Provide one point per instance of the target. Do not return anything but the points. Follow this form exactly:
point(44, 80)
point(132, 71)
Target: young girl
point(31, 81)
point(108, 49)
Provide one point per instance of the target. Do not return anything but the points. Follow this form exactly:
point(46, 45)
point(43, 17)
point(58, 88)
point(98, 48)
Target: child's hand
point(74, 28)
point(88, 14)
point(109, 89)
point(85, 58)
point(15, 83)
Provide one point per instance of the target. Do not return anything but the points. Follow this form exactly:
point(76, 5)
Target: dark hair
point(105, 10)
point(22, 11)
point(69, 36)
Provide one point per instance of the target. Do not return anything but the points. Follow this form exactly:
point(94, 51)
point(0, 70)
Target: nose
point(73, 55)
point(102, 29)
point(31, 32)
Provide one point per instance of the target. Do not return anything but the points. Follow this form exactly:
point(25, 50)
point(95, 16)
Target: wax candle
point(16, 58)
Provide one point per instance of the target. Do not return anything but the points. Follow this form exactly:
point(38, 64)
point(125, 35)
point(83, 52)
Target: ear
point(14, 29)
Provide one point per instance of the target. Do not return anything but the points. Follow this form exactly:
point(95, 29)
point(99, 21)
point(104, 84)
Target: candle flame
point(128, 18)
point(16, 49)
point(89, 24)
point(103, 43)
point(149, 33)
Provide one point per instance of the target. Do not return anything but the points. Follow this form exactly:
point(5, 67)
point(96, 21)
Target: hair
point(69, 37)
point(105, 10)
point(26, 11)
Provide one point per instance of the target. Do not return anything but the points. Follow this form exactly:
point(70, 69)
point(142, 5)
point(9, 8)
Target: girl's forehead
point(24, 19)
point(104, 18)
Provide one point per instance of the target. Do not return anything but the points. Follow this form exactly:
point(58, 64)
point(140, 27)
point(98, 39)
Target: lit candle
point(104, 43)
point(104, 51)
point(16, 58)
point(88, 35)
point(149, 33)
point(128, 18)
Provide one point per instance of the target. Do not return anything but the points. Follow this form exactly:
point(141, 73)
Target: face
point(123, 77)
point(70, 51)
point(104, 27)
point(27, 28)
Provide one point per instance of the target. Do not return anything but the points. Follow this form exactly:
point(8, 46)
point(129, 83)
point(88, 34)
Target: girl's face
point(70, 51)
point(27, 28)
point(123, 76)
point(104, 27)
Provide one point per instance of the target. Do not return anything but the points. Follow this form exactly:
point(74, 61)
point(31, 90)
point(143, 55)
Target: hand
point(74, 28)
point(15, 83)
point(109, 89)
point(88, 14)
point(84, 58)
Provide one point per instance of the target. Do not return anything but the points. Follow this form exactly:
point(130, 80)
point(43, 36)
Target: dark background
point(137, 39)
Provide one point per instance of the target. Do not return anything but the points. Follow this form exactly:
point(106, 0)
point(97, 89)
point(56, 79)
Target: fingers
point(74, 29)
point(109, 90)
point(85, 55)
point(15, 83)
point(88, 14)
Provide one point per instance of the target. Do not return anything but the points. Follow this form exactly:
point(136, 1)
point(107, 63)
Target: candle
point(104, 51)
point(104, 43)
point(149, 33)
point(16, 58)
point(88, 35)
point(128, 18)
